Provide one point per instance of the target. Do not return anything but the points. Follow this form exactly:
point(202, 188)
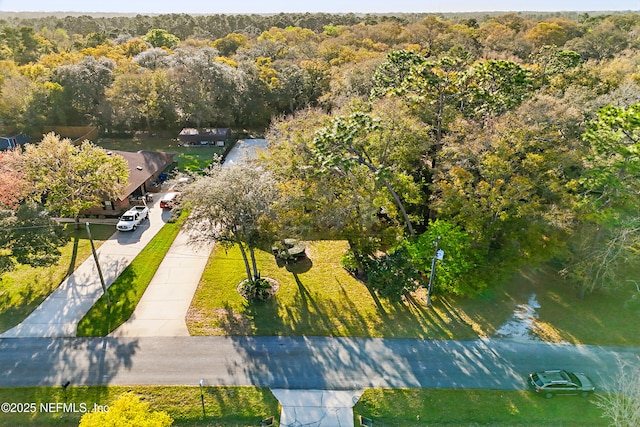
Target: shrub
point(392, 275)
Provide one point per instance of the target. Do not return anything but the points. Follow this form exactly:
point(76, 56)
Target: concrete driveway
point(59, 314)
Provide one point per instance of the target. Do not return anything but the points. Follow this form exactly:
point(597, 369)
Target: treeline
point(218, 25)
point(164, 72)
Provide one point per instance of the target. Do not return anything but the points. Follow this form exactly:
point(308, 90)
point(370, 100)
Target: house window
point(108, 205)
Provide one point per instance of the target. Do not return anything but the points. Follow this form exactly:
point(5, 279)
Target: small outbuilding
point(205, 136)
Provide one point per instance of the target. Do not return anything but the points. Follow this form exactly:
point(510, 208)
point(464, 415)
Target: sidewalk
point(318, 408)
point(59, 314)
point(162, 309)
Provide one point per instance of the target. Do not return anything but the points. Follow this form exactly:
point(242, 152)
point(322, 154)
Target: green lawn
point(318, 297)
point(24, 288)
point(246, 406)
point(224, 406)
point(410, 407)
point(188, 158)
point(128, 288)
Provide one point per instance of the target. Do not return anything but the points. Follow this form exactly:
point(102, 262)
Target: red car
point(170, 200)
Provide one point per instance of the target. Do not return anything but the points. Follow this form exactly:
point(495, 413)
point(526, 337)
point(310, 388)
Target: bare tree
point(622, 404)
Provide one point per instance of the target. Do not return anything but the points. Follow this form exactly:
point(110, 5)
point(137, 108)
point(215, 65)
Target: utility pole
point(437, 255)
point(95, 258)
point(202, 398)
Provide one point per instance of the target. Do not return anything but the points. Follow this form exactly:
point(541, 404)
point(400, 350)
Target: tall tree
point(318, 199)
point(27, 234)
point(345, 144)
point(70, 179)
point(229, 205)
point(206, 90)
point(611, 201)
point(142, 100)
point(84, 86)
point(512, 185)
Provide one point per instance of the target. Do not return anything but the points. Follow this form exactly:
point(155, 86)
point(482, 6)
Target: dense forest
point(506, 138)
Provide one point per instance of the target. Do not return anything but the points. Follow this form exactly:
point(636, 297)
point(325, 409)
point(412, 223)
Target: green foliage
point(29, 237)
point(344, 146)
point(614, 161)
point(609, 204)
point(127, 411)
point(460, 271)
point(495, 87)
point(232, 205)
point(390, 75)
point(349, 262)
point(72, 178)
point(84, 85)
point(393, 275)
point(256, 289)
point(158, 37)
point(229, 44)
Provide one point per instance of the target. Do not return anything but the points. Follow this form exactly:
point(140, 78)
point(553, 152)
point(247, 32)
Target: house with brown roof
point(145, 168)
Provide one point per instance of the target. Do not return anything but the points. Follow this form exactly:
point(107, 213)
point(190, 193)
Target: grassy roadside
point(128, 288)
point(246, 406)
point(224, 406)
point(318, 297)
point(475, 407)
point(24, 288)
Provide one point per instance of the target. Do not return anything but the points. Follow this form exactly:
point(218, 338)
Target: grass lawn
point(128, 288)
point(224, 406)
point(601, 318)
point(188, 158)
point(24, 288)
point(474, 408)
point(318, 297)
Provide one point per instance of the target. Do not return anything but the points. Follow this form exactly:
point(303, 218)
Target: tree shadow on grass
point(14, 310)
point(243, 402)
point(102, 318)
point(74, 256)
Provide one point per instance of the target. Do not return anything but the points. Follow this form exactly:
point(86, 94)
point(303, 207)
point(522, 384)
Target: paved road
point(295, 362)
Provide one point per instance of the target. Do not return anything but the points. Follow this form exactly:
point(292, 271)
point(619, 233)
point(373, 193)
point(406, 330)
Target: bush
point(348, 262)
point(127, 411)
point(393, 275)
point(257, 289)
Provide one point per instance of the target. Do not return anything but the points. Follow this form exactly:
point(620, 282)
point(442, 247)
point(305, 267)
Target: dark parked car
point(559, 381)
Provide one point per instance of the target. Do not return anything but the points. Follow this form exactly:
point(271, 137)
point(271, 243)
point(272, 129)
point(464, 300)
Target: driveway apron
point(164, 305)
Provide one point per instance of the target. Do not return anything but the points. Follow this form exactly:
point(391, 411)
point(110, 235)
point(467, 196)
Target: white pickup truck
point(132, 218)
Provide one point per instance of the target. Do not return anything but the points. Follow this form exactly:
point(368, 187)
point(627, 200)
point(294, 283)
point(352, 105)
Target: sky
point(329, 6)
